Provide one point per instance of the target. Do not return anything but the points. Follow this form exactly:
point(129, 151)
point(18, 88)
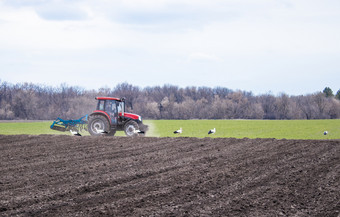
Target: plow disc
point(77, 125)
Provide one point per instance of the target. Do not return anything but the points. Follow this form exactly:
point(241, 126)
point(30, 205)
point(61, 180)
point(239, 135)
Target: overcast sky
point(290, 46)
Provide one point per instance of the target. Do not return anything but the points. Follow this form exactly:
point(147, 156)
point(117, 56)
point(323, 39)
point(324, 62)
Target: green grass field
point(279, 129)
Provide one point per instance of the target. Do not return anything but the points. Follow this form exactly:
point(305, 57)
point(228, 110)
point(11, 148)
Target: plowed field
point(50, 175)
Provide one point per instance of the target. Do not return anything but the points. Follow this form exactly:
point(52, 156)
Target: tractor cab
point(113, 108)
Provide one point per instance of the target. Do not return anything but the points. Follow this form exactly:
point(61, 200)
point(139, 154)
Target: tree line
point(27, 101)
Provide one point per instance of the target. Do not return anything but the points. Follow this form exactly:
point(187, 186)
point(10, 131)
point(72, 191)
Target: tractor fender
point(99, 112)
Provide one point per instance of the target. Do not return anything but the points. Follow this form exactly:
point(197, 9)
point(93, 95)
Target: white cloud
point(201, 56)
point(24, 29)
point(61, 12)
point(169, 36)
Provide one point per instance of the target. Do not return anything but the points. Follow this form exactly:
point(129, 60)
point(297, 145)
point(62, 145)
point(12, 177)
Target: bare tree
point(282, 107)
point(29, 101)
point(307, 106)
point(268, 104)
point(129, 91)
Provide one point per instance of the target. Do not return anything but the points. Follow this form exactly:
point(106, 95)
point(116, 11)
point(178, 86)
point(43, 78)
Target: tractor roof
point(108, 98)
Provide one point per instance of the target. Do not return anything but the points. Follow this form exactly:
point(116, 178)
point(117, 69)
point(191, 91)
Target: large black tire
point(130, 129)
point(99, 125)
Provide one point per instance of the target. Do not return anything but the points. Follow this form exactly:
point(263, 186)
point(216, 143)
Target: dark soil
point(50, 175)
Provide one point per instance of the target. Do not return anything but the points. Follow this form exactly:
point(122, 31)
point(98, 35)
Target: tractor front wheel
point(131, 128)
point(99, 125)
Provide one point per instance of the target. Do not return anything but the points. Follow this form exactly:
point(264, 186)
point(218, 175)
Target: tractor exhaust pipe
point(123, 109)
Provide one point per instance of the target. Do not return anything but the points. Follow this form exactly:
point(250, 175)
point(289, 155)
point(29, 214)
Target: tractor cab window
point(110, 106)
point(119, 106)
point(100, 105)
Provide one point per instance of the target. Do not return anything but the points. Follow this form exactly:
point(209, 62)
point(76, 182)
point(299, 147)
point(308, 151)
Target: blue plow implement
point(76, 125)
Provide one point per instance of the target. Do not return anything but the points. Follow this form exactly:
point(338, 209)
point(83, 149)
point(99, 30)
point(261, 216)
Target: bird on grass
point(212, 131)
point(102, 132)
point(178, 131)
point(75, 133)
point(139, 131)
point(325, 133)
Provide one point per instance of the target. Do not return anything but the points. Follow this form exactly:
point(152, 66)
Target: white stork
point(212, 131)
point(138, 131)
point(102, 131)
point(178, 131)
point(75, 133)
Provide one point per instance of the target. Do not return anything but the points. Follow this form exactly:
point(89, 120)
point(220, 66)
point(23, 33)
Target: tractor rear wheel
point(131, 128)
point(99, 125)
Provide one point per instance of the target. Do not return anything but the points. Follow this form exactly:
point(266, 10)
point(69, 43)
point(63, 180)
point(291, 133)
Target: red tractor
point(109, 117)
